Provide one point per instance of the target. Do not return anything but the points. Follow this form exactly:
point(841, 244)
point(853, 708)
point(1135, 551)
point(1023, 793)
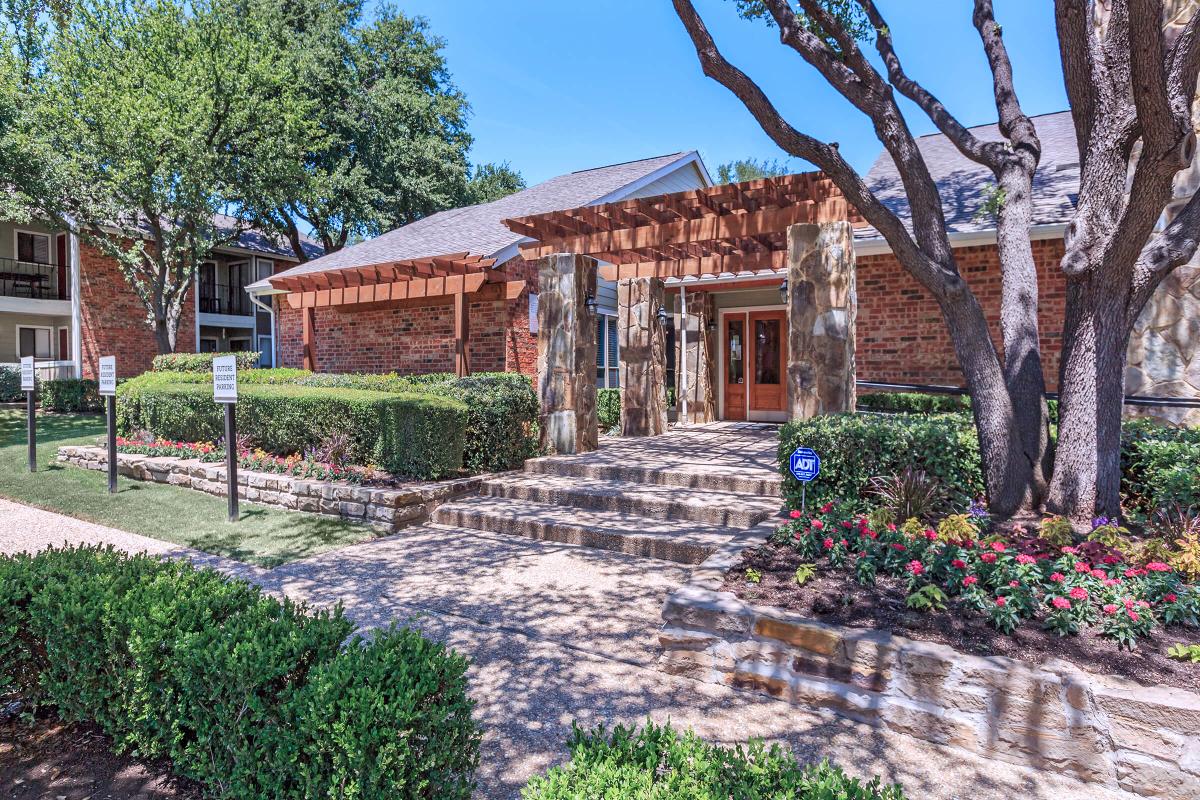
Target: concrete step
point(719, 478)
point(637, 499)
point(681, 542)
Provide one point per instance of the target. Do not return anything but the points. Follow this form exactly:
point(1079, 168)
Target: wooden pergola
point(731, 228)
point(388, 284)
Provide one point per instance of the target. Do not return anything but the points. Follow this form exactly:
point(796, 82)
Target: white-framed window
point(607, 352)
point(266, 349)
point(32, 247)
point(35, 341)
point(265, 268)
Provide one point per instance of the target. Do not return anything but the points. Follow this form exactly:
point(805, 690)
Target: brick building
point(67, 304)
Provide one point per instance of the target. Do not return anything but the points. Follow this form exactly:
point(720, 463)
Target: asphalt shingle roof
point(479, 229)
point(962, 183)
point(261, 242)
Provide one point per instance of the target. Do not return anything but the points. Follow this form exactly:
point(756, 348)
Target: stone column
point(567, 353)
point(1163, 359)
point(822, 311)
point(643, 357)
point(701, 358)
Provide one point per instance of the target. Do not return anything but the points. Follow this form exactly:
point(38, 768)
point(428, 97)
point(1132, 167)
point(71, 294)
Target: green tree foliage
point(750, 169)
point(490, 182)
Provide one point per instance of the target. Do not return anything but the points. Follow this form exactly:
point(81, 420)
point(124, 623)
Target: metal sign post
point(29, 386)
point(805, 465)
point(225, 392)
point(108, 390)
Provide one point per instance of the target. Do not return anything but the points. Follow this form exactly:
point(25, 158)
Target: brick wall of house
point(902, 337)
point(114, 319)
point(417, 336)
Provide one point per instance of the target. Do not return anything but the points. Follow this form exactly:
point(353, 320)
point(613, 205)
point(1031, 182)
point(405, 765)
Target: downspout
point(683, 378)
point(76, 304)
point(274, 339)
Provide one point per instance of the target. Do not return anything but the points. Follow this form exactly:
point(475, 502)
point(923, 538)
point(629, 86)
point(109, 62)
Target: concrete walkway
point(560, 633)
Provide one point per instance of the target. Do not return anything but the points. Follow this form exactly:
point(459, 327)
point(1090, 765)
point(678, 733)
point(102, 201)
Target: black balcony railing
point(35, 281)
point(224, 298)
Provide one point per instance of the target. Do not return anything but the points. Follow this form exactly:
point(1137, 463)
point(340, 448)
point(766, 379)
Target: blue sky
point(560, 85)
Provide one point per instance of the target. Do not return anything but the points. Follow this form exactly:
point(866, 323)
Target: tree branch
point(1014, 124)
point(1147, 60)
point(1077, 46)
point(1175, 246)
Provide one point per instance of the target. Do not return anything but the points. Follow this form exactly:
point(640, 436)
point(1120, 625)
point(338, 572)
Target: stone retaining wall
point(1144, 740)
point(387, 510)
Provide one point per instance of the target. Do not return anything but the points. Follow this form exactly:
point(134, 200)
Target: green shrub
point(378, 382)
point(70, 394)
point(502, 412)
point(857, 447)
point(412, 435)
point(10, 385)
point(913, 403)
point(1160, 465)
point(656, 763)
point(251, 696)
point(351, 708)
point(200, 362)
point(608, 408)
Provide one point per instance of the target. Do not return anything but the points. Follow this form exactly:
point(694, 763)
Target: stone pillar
point(1163, 359)
point(822, 311)
point(567, 353)
point(643, 357)
point(701, 358)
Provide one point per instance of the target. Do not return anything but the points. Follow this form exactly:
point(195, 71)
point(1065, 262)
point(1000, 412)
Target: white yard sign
point(27, 374)
point(225, 379)
point(108, 376)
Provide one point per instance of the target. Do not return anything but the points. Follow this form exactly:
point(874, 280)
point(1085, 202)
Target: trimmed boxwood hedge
point(70, 394)
point(200, 362)
point(912, 402)
point(413, 435)
point(10, 385)
point(656, 762)
point(249, 695)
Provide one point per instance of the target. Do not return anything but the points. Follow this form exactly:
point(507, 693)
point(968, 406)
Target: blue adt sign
point(805, 464)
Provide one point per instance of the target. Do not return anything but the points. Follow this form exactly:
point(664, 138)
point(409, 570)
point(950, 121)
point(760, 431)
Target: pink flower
point(998, 547)
point(1170, 597)
point(1083, 566)
point(931, 534)
point(1109, 609)
point(1061, 602)
point(828, 543)
point(1026, 559)
point(970, 580)
point(1099, 574)
point(825, 509)
point(988, 558)
point(1014, 584)
point(1110, 559)
point(1000, 601)
point(916, 567)
point(898, 547)
point(1158, 566)
point(1071, 550)
point(891, 526)
point(795, 514)
point(1058, 577)
point(1134, 573)
point(847, 523)
point(958, 563)
point(818, 524)
point(1142, 604)
point(1133, 616)
point(1079, 593)
point(1113, 582)
point(845, 543)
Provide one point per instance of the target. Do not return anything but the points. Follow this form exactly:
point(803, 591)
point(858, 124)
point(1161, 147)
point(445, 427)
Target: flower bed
point(295, 465)
point(1015, 594)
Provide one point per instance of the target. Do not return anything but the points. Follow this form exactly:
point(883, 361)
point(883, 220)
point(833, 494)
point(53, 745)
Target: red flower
point(828, 543)
point(891, 526)
point(988, 558)
point(1109, 609)
point(825, 509)
point(931, 534)
point(1111, 559)
point(916, 567)
point(1058, 577)
point(970, 580)
point(1083, 566)
point(795, 513)
point(845, 543)
point(818, 524)
point(1170, 597)
point(1134, 573)
point(1099, 574)
point(1000, 601)
point(847, 523)
point(1133, 615)
point(958, 563)
point(1026, 559)
point(1061, 602)
point(998, 547)
point(1158, 566)
point(898, 547)
point(1079, 593)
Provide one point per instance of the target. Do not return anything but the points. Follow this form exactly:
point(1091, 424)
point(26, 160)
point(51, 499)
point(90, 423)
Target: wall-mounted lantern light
point(783, 291)
point(590, 302)
point(662, 315)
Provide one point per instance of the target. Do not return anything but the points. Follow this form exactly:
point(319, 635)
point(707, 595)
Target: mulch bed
point(834, 597)
point(50, 759)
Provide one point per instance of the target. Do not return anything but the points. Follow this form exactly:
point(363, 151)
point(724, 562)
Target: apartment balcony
point(32, 281)
point(229, 300)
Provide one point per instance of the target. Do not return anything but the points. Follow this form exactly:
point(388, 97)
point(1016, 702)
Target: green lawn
point(264, 536)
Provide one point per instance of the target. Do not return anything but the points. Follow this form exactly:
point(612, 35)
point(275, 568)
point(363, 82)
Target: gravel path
point(560, 633)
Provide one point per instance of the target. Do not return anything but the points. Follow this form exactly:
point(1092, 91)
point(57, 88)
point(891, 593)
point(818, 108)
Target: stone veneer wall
point(387, 510)
point(1055, 716)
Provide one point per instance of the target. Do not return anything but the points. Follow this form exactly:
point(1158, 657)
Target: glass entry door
point(735, 366)
point(754, 364)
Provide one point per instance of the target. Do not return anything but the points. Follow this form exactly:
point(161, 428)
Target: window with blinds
point(33, 247)
point(607, 352)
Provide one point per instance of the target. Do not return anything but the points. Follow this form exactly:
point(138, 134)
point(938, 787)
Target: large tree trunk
point(1087, 464)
